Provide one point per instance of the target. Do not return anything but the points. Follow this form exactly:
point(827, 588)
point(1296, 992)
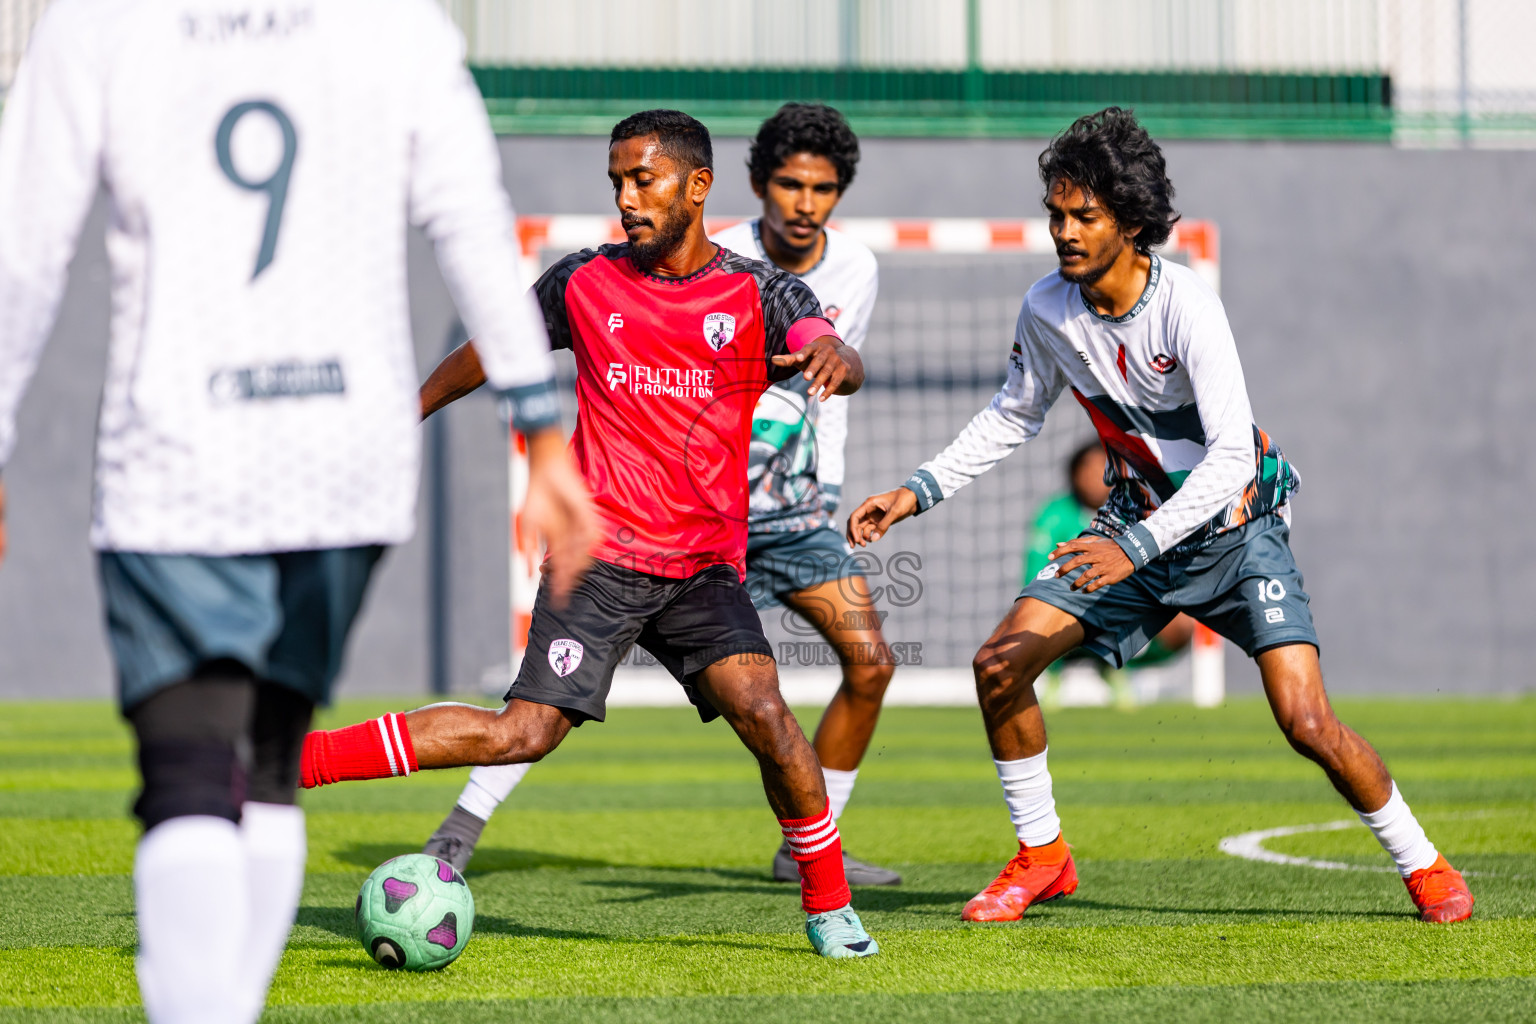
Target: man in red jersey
point(675, 338)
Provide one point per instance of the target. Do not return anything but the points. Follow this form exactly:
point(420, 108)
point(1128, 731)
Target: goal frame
point(1198, 241)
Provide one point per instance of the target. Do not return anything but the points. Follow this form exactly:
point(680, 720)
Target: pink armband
point(803, 332)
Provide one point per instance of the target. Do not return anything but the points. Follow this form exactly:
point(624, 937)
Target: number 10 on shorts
point(1272, 590)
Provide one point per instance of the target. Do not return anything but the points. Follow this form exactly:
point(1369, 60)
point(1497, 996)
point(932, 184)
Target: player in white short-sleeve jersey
point(258, 438)
point(801, 162)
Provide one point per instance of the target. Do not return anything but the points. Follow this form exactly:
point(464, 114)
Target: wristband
point(926, 488)
point(532, 407)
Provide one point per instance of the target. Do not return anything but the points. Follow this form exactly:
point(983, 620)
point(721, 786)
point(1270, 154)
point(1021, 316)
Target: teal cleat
point(839, 934)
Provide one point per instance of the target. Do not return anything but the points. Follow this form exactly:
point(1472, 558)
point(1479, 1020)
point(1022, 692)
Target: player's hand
point(1106, 562)
point(832, 367)
point(558, 513)
point(2, 522)
point(879, 513)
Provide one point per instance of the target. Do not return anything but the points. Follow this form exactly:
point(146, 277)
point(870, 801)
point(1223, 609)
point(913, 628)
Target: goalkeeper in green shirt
point(1062, 518)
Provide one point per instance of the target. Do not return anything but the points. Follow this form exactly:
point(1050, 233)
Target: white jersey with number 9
point(262, 161)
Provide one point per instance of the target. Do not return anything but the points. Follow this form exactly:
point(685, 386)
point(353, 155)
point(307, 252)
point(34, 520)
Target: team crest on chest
point(565, 656)
point(719, 329)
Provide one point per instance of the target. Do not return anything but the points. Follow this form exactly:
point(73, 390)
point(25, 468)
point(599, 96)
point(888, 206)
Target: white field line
point(1250, 845)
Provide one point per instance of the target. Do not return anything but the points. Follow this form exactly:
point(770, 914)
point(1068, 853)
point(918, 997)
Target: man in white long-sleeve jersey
point(258, 443)
point(1196, 520)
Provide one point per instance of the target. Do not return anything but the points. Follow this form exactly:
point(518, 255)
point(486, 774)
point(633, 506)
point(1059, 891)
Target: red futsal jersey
point(668, 371)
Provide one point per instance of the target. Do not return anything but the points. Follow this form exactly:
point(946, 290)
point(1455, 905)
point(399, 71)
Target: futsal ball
point(415, 913)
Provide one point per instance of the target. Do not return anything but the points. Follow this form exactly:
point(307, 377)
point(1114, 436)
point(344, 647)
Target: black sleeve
point(549, 290)
point(786, 301)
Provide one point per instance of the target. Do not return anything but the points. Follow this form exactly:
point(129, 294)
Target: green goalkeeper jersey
point(1061, 518)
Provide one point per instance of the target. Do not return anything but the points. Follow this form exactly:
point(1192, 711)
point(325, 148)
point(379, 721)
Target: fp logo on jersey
point(565, 657)
point(615, 321)
point(719, 329)
point(617, 375)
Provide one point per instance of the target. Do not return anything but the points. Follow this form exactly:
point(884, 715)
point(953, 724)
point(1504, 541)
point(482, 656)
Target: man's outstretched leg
point(1293, 682)
point(436, 736)
point(745, 690)
point(1025, 643)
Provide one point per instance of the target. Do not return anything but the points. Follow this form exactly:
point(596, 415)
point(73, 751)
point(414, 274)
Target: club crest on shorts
point(565, 657)
point(719, 329)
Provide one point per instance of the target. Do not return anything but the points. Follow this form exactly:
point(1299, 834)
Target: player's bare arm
point(457, 375)
point(1105, 561)
point(832, 367)
point(878, 513)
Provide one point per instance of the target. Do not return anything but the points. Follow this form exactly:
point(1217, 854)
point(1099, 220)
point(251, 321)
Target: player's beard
point(1088, 276)
point(665, 236)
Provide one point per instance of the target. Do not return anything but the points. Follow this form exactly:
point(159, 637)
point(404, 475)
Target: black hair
point(1078, 457)
point(1111, 156)
point(803, 128)
point(683, 137)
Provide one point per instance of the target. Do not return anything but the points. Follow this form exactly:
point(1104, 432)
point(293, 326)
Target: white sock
point(1400, 834)
point(275, 848)
point(189, 882)
point(1027, 789)
point(488, 786)
point(839, 789)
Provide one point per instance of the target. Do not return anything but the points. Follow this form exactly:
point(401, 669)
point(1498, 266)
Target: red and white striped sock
point(818, 852)
point(369, 750)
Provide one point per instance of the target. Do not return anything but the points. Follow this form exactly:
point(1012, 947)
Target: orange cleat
point(1440, 893)
point(1036, 874)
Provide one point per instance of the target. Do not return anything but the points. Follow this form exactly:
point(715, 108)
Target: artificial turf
point(627, 878)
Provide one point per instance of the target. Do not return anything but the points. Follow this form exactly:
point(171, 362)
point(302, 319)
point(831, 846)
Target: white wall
point(1417, 41)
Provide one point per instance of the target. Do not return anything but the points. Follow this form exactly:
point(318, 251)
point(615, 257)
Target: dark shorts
point(783, 563)
point(284, 616)
point(1244, 585)
point(686, 624)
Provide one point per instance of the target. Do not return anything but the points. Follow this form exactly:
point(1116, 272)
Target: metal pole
point(975, 84)
point(1463, 76)
point(848, 33)
point(439, 664)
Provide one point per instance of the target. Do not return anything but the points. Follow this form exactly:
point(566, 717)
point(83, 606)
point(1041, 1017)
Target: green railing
point(961, 103)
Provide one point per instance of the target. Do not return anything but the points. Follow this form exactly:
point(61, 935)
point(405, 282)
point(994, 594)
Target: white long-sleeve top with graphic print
point(262, 162)
point(796, 471)
point(1165, 390)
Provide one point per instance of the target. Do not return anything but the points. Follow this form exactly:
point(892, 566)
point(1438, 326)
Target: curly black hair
point(1111, 156)
point(803, 128)
point(683, 137)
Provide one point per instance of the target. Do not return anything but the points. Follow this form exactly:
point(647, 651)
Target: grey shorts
point(284, 616)
point(1244, 585)
point(784, 563)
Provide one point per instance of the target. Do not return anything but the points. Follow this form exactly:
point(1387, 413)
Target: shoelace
point(1004, 877)
point(841, 927)
point(1431, 885)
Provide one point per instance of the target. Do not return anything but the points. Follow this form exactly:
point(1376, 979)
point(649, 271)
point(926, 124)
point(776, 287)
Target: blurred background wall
point(1364, 161)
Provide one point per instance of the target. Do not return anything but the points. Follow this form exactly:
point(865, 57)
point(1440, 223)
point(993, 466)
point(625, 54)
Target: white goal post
point(1194, 241)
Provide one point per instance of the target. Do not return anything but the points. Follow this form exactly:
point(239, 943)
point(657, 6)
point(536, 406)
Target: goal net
point(937, 351)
